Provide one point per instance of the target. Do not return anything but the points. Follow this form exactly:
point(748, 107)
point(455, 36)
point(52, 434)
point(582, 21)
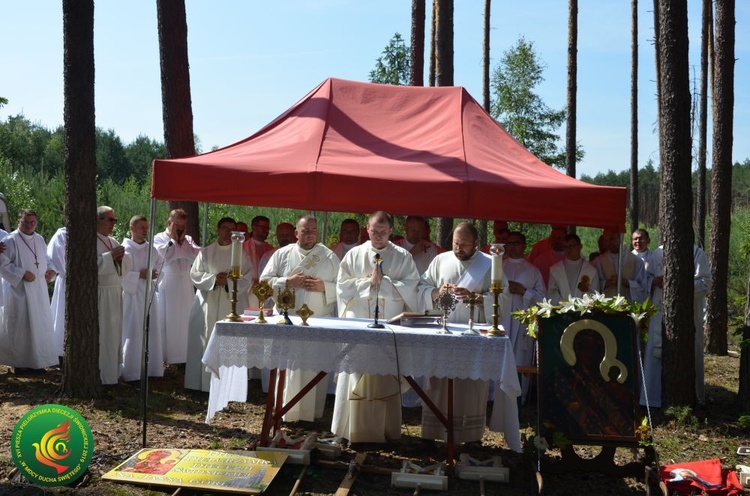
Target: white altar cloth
point(336, 345)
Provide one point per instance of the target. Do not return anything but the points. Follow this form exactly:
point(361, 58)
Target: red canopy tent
point(358, 147)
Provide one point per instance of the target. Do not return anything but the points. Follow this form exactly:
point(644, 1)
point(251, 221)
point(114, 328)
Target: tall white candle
point(236, 257)
point(497, 264)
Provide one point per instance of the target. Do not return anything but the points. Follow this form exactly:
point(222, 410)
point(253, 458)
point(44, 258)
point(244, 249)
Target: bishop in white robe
point(212, 300)
point(310, 269)
point(26, 330)
point(368, 408)
point(463, 270)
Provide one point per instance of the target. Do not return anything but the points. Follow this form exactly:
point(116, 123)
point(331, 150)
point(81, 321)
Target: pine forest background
point(31, 176)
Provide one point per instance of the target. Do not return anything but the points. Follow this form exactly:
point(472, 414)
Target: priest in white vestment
point(176, 292)
point(134, 301)
point(310, 269)
point(348, 237)
point(573, 276)
point(376, 275)
point(213, 299)
point(3, 235)
point(421, 249)
point(640, 240)
point(463, 271)
point(633, 284)
point(652, 358)
point(56, 257)
point(526, 287)
point(284, 236)
point(553, 254)
point(26, 332)
point(112, 262)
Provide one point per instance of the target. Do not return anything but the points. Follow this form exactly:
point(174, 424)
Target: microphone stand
point(145, 348)
point(376, 324)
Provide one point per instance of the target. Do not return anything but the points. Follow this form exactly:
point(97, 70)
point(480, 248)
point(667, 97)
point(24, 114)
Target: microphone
point(379, 266)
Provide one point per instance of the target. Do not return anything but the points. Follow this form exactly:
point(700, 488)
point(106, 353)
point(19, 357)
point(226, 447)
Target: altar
point(333, 345)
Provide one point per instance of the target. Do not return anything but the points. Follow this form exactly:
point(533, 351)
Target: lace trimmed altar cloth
point(347, 345)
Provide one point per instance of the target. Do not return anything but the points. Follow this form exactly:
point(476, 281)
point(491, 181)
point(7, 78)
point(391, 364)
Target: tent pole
point(324, 236)
point(204, 234)
point(620, 257)
point(149, 294)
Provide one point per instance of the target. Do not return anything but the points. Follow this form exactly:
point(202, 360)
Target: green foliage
point(682, 416)
point(640, 312)
point(32, 148)
point(394, 66)
point(744, 421)
point(521, 111)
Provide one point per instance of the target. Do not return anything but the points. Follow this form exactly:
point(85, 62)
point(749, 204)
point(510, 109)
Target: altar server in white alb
point(56, 257)
point(133, 305)
point(112, 262)
point(573, 276)
point(210, 275)
point(526, 287)
point(26, 332)
point(3, 235)
point(461, 272)
point(176, 292)
point(310, 269)
point(377, 272)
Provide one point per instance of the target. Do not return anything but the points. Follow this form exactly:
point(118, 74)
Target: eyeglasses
point(109, 219)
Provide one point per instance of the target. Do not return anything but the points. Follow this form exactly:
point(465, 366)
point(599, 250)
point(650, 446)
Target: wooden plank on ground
point(351, 475)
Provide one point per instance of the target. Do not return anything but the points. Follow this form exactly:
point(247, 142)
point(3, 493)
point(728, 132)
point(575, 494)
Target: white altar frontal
point(334, 345)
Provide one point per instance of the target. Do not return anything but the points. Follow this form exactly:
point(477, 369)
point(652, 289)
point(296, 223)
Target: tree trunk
point(80, 373)
point(721, 177)
point(433, 45)
point(743, 393)
point(416, 74)
point(486, 56)
point(678, 371)
point(634, 193)
point(570, 136)
point(483, 234)
point(700, 213)
point(444, 77)
point(177, 110)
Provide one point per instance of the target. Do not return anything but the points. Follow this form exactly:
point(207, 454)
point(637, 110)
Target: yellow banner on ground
point(244, 472)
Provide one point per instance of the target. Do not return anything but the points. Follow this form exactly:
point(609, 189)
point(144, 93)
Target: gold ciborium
point(305, 313)
point(263, 292)
point(285, 302)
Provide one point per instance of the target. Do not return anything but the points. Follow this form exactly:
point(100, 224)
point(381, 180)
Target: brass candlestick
point(472, 303)
point(262, 291)
point(305, 313)
point(233, 317)
point(495, 289)
point(286, 301)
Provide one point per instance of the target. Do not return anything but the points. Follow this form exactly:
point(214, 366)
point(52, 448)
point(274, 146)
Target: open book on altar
point(428, 318)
